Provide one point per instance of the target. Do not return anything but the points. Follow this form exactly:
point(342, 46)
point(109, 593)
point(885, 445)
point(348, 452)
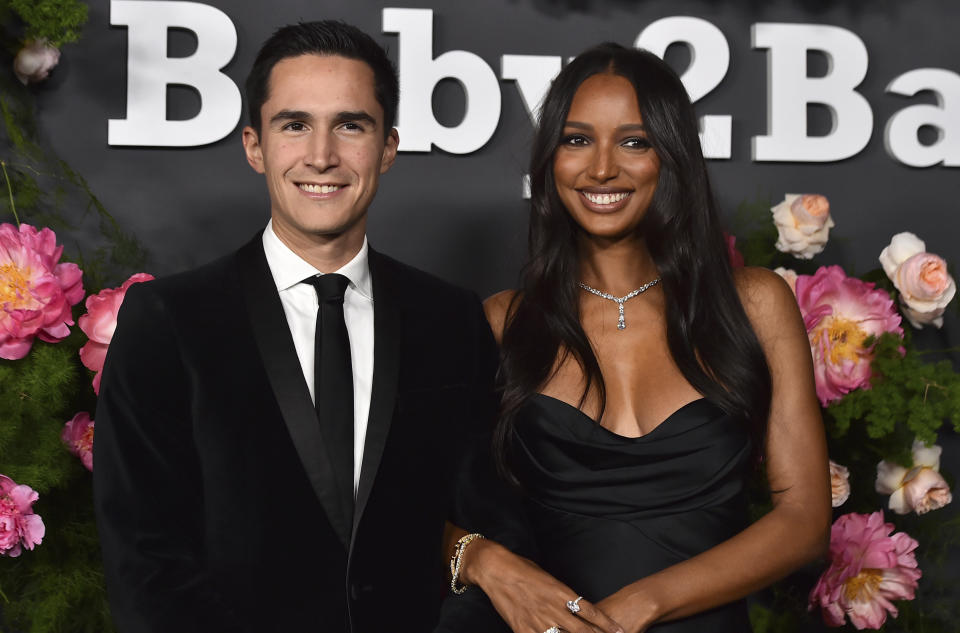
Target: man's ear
point(389, 151)
point(251, 145)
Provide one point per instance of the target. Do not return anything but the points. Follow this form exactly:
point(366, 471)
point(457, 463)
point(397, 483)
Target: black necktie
point(333, 381)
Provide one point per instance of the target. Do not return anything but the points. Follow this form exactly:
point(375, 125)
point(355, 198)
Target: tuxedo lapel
point(387, 326)
point(275, 344)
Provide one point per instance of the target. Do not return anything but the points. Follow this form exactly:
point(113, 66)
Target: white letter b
point(150, 71)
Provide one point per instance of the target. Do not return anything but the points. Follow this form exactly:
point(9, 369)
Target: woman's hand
point(631, 606)
point(527, 598)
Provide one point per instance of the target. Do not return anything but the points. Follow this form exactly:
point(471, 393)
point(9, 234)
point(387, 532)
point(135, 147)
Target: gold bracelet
point(457, 558)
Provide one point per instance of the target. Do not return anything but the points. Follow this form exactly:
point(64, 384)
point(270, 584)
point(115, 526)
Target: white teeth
point(605, 198)
point(319, 188)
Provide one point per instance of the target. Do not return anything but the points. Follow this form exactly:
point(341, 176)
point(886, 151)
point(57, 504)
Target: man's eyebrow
point(360, 115)
point(289, 115)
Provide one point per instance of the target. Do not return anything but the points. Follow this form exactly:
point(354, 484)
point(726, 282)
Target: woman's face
point(605, 170)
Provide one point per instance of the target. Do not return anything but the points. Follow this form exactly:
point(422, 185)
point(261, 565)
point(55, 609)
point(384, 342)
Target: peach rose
point(919, 489)
point(923, 281)
point(803, 223)
point(839, 484)
point(35, 61)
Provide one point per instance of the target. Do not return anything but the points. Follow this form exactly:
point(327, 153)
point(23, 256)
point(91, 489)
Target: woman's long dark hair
point(708, 333)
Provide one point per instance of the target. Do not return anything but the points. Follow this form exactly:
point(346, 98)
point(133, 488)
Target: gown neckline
point(626, 438)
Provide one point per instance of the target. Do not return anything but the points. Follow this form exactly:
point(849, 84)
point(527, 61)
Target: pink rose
point(790, 276)
point(840, 313)
point(839, 484)
point(923, 281)
point(78, 436)
point(36, 291)
point(19, 526)
point(869, 568)
point(736, 257)
point(803, 223)
point(35, 61)
point(919, 489)
point(99, 323)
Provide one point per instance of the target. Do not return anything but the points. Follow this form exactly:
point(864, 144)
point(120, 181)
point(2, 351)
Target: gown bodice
point(607, 510)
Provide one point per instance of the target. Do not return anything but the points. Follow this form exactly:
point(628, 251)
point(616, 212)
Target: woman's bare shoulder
point(765, 295)
point(769, 303)
point(497, 307)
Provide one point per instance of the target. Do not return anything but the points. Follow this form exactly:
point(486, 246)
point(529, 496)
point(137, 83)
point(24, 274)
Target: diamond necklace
point(621, 323)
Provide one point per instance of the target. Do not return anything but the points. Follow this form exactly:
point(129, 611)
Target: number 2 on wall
point(709, 62)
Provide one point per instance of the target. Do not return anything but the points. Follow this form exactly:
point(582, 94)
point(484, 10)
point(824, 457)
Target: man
point(243, 483)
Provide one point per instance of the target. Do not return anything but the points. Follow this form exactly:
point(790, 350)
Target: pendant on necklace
point(621, 320)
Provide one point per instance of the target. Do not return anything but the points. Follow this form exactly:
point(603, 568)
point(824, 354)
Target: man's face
point(321, 147)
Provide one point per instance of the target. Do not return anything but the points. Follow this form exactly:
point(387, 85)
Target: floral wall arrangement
point(58, 245)
point(884, 406)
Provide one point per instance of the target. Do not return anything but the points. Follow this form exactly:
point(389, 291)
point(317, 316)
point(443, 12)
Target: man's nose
point(322, 151)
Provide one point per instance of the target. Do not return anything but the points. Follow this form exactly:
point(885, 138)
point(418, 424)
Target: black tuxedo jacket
point(213, 488)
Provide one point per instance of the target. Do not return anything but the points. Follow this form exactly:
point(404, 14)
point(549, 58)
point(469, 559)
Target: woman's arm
point(796, 530)
point(527, 598)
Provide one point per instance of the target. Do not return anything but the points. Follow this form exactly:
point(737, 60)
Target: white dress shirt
point(300, 307)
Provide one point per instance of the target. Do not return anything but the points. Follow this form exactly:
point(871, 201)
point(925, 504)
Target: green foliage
point(58, 586)
point(35, 398)
point(907, 398)
point(56, 21)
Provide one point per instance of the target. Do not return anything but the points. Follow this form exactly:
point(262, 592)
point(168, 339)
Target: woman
point(644, 380)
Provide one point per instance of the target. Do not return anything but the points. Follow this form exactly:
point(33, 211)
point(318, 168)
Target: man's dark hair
point(327, 37)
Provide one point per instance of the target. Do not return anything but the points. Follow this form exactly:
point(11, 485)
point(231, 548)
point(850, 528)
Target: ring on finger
point(574, 605)
point(553, 629)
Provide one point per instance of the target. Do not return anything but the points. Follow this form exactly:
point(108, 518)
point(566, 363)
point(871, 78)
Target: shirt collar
point(288, 269)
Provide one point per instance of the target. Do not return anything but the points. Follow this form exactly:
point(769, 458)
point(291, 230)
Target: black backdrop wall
point(462, 215)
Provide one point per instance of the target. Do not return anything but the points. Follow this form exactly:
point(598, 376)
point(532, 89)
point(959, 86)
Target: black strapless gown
point(607, 510)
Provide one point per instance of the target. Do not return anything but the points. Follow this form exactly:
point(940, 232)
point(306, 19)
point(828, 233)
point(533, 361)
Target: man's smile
point(318, 191)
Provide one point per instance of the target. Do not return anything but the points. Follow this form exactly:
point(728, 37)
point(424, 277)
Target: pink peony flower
point(35, 61)
point(78, 436)
point(99, 323)
point(919, 489)
point(36, 291)
point(869, 568)
point(19, 526)
point(803, 224)
point(839, 484)
point(923, 281)
point(840, 312)
point(736, 257)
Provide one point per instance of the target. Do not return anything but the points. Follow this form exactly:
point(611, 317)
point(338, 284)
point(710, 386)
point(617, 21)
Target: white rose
point(803, 223)
point(923, 281)
point(35, 61)
point(921, 488)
